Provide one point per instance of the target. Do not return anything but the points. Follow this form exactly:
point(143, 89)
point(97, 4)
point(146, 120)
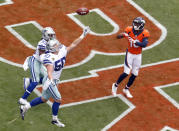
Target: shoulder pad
point(146, 33)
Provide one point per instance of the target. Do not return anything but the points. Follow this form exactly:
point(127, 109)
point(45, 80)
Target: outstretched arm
point(122, 35)
point(79, 39)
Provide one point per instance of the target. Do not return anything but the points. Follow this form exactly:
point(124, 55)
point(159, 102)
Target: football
point(82, 11)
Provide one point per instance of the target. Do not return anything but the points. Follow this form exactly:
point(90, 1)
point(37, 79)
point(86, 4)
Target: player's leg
point(135, 70)
point(27, 106)
point(127, 69)
point(43, 77)
point(34, 66)
point(46, 94)
point(55, 107)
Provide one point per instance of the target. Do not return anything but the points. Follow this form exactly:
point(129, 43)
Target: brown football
point(82, 11)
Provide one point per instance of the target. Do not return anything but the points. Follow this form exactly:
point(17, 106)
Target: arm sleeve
point(143, 43)
point(41, 45)
point(45, 59)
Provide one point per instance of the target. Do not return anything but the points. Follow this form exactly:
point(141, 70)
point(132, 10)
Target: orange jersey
point(132, 48)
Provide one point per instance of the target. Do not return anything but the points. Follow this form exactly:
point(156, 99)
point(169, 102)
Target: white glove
point(25, 65)
point(86, 30)
point(132, 40)
point(47, 83)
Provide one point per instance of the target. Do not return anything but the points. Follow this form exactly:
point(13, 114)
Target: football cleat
point(26, 82)
point(127, 93)
point(114, 89)
point(23, 110)
point(58, 123)
point(23, 101)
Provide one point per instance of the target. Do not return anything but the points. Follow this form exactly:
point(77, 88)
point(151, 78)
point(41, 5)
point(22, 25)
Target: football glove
point(48, 83)
point(122, 35)
point(25, 65)
point(86, 30)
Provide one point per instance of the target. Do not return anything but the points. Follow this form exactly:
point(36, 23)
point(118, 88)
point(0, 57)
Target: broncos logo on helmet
point(48, 33)
point(138, 23)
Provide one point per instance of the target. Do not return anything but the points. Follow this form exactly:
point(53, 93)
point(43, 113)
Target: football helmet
point(138, 23)
point(48, 33)
point(53, 45)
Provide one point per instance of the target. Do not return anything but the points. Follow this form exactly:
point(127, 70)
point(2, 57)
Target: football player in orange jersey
point(137, 39)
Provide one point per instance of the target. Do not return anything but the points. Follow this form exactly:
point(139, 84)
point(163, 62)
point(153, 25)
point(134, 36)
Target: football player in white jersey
point(37, 70)
point(54, 62)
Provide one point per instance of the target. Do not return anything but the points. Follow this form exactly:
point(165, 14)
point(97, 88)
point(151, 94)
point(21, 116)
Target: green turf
point(173, 92)
point(29, 32)
point(165, 11)
point(2, 1)
point(96, 23)
point(94, 115)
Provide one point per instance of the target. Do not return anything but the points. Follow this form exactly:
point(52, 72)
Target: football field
point(92, 67)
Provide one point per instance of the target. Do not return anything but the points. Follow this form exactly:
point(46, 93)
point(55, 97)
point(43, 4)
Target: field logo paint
point(167, 128)
point(6, 2)
point(105, 17)
point(163, 93)
point(18, 36)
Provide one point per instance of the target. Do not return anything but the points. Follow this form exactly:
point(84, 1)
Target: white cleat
point(58, 123)
point(26, 82)
point(23, 101)
point(114, 89)
point(23, 110)
point(127, 93)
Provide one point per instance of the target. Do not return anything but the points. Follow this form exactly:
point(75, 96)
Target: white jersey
point(57, 61)
point(41, 45)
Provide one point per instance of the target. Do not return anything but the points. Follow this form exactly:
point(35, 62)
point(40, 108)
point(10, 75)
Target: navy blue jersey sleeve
point(143, 43)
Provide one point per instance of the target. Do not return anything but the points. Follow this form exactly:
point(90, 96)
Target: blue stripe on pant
point(53, 93)
point(32, 69)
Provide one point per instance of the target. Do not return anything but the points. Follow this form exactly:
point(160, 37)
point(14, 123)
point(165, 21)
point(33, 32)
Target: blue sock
point(131, 80)
point(121, 78)
point(29, 89)
point(36, 101)
point(55, 108)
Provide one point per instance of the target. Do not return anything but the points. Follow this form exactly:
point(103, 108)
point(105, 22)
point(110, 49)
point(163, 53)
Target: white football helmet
point(53, 45)
point(48, 33)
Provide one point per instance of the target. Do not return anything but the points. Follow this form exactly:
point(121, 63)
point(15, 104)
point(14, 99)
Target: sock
point(55, 108)
point(121, 77)
point(54, 117)
point(36, 101)
point(131, 80)
point(126, 87)
point(29, 89)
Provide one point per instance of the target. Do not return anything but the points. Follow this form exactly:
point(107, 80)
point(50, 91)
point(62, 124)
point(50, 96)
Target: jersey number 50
point(59, 64)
